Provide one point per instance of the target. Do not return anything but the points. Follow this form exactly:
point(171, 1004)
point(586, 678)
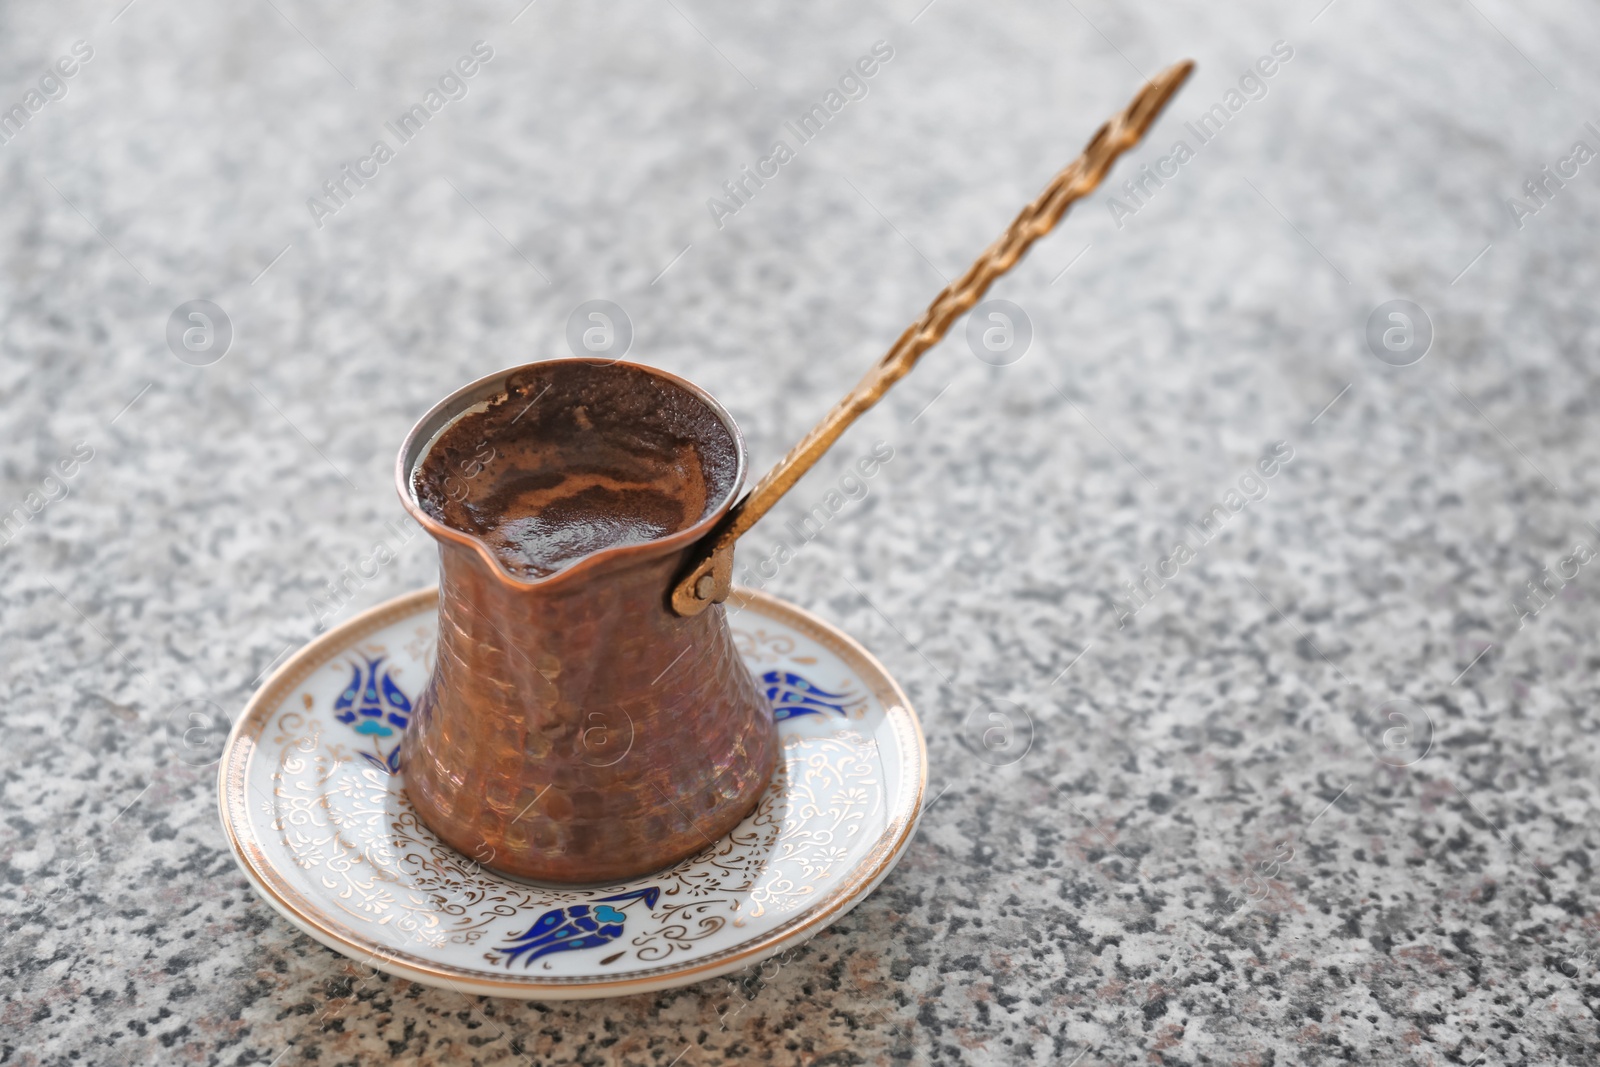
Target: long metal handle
point(709, 577)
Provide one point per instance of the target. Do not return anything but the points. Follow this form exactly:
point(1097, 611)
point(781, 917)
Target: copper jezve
point(588, 718)
point(575, 728)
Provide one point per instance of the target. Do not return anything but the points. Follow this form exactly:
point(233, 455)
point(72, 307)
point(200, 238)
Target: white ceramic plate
point(326, 835)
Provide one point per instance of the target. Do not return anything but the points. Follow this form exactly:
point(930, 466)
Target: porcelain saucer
point(313, 804)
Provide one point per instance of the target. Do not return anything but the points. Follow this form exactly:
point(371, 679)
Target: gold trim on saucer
point(904, 808)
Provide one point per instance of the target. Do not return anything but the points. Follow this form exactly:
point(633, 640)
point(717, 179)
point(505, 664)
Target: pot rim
point(427, 429)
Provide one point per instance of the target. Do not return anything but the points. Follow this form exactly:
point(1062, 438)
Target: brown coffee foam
point(575, 458)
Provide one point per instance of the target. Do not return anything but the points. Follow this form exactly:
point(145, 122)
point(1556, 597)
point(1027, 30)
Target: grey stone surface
point(1078, 906)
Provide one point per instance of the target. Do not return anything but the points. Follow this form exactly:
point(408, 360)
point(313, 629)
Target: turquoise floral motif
point(792, 695)
point(600, 922)
point(377, 708)
point(576, 926)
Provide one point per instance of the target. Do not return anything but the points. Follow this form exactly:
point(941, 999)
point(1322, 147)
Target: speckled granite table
point(1321, 787)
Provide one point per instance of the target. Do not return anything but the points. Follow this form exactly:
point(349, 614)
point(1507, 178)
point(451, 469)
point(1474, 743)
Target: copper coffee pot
point(595, 723)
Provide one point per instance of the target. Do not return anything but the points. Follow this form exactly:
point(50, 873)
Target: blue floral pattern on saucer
point(377, 708)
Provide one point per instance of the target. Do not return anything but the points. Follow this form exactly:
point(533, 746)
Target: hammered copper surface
point(575, 729)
